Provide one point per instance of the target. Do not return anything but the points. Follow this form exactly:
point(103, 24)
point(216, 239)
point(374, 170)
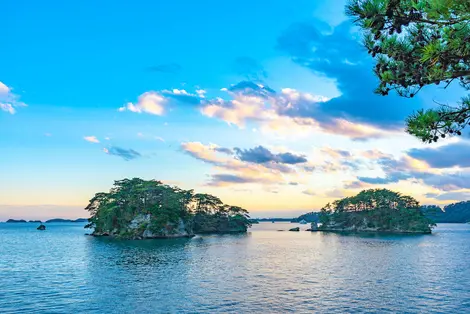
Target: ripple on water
point(63, 271)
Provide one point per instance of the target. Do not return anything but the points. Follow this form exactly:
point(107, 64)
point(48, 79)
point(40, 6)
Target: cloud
point(337, 54)
point(166, 68)
point(355, 185)
point(224, 150)
point(8, 100)
point(250, 69)
point(279, 112)
point(229, 179)
point(453, 196)
point(4, 89)
point(250, 88)
point(409, 168)
point(451, 155)
point(246, 171)
point(91, 139)
point(336, 193)
point(158, 138)
point(309, 192)
point(7, 108)
point(149, 102)
point(155, 102)
point(336, 153)
point(126, 154)
point(261, 155)
point(450, 181)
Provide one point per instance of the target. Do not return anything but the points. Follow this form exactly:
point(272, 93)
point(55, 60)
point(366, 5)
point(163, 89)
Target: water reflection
point(63, 271)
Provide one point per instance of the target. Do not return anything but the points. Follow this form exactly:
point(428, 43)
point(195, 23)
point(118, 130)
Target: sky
point(268, 105)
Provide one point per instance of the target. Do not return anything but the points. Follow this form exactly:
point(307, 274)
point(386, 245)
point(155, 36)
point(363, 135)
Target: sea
point(62, 270)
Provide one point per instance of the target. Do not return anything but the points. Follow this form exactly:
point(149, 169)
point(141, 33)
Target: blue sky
point(266, 104)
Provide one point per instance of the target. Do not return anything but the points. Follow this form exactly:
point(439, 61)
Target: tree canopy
point(375, 209)
point(166, 205)
point(417, 43)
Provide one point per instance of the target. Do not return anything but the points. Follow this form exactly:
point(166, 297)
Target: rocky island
point(375, 210)
point(140, 209)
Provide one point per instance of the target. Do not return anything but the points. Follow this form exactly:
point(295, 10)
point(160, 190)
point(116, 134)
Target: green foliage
point(309, 217)
point(112, 212)
point(453, 213)
point(379, 209)
point(417, 43)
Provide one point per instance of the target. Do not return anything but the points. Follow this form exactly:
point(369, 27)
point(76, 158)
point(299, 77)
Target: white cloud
point(9, 101)
point(91, 139)
point(275, 113)
point(8, 108)
point(4, 89)
point(149, 102)
point(158, 138)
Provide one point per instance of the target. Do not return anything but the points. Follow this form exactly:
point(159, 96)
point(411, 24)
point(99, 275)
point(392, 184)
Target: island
point(148, 209)
point(452, 213)
point(15, 221)
point(375, 210)
point(61, 220)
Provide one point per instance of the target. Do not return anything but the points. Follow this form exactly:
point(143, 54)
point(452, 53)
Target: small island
point(61, 220)
point(141, 209)
point(375, 210)
point(16, 221)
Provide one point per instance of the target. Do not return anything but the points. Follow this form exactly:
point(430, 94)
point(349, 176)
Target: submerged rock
point(41, 227)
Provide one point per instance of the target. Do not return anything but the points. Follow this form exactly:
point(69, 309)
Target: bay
point(61, 270)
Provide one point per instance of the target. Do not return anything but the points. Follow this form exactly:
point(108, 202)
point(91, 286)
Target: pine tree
point(417, 43)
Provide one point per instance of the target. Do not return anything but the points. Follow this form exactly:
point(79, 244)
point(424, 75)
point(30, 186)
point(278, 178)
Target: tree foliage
point(375, 209)
point(452, 213)
point(166, 205)
point(417, 43)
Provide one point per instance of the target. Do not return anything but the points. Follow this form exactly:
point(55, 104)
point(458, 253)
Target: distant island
point(140, 209)
point(16, 221)
point(453, 213)
point(375, 210)
point(67, 220)
point(258, 220)
point(47, 221)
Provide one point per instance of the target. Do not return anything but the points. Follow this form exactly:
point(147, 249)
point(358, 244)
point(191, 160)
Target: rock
point(313, 226)
point(295, 229)
point(139, 220)
point(41, 227)
point(148, 234)
point(281, 230)
point(308, 229)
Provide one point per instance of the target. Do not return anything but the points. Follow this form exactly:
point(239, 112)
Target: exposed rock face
point(365, 226)
point(141, 228)
point(313, 226)
point(139, 220)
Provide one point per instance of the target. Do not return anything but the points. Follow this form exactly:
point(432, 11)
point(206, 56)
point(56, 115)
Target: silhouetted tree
point(417, 43)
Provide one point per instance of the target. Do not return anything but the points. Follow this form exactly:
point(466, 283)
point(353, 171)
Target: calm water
point(61, 270)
